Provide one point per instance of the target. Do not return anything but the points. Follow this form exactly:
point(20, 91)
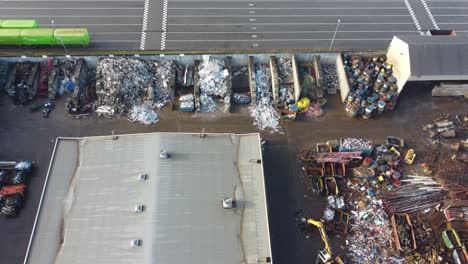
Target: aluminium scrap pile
point(143, 113)
point(163, 72)
point(212, 82)
point(286, 81)
point(121, 83)
point(264, 113)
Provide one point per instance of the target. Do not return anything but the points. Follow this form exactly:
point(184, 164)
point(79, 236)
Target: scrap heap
point(330, 77)
point(286, 81)
point(373, 87)
point(121, 83)
point(264, 113)
point(212, 73)
point(163, 72)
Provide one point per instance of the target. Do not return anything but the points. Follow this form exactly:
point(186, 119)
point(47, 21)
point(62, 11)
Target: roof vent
point(163, 154)
point(136, 243)
point(139, 208)
point(143, 177)
point(228, 203)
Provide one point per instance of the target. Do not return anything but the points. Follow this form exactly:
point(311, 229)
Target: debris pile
point(143, 113)
point(373, 87)
point(121, 83)
point(264, 113)
point(240, 71)
point(12, 181)
point(356, 144)
point(445, 126)
point(207, 104)
point(286, 81)
point(184, 75)
point(330, 76)
point(163, 72)
point(213, 75)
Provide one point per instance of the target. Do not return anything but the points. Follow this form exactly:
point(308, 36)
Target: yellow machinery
point(325, 255)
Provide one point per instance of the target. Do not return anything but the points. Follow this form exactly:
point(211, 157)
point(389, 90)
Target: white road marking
point(286, 32)
point(367, 15)
point(66, 16)
point(413, 16)
point(144, 26)
point(266, 40)
point(429, 13)
point(283, 8)
point(281, 24)
point(71, 8)
point(164, 26)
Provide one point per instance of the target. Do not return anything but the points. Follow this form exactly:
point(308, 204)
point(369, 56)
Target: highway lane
point(113, 25)
point(246, 24)
point(286, 24)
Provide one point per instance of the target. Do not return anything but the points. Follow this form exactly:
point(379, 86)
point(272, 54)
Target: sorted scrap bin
point(44, 36)
point(10, 37)
point(19, 24)
point(72, 36)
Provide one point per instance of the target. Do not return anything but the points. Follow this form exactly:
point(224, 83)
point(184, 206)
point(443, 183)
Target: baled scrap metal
point(213, 75)
point(187, 103)
point(121, 83)
point(356, 144)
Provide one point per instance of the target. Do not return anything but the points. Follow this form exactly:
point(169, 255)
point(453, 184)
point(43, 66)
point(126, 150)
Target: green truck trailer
point(38, 36)
point(18, 24)
point(10, 36)
point(72, 36)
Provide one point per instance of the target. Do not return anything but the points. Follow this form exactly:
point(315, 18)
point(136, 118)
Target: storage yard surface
point(26, 135)
point(260, 25)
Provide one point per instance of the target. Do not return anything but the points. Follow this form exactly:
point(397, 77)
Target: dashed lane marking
point(429, 13)
point(144, 26)
point(413, 16)
point(164, 26)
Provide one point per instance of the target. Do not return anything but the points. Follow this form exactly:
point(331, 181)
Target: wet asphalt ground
point(25, 135)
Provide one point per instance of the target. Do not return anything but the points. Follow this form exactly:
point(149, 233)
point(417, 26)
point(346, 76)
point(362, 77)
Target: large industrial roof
point(87, 213)
point(437, 55)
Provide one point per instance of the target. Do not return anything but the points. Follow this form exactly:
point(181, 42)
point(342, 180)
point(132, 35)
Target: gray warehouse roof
point(437, 55)
point(88, 208)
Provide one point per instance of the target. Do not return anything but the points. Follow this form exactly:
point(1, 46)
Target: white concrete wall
point(398, 55)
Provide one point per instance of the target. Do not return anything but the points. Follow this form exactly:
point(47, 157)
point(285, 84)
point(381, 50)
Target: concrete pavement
point(247, 24)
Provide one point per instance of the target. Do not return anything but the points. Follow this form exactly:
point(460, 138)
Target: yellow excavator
point(325, 256)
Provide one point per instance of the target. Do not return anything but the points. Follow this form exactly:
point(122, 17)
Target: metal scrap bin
point(365, 152)
point(10, 37)
point(42, 36)
point(72, 36)
point(19, 24)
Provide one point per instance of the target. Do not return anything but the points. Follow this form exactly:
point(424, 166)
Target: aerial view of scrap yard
point(233, 132)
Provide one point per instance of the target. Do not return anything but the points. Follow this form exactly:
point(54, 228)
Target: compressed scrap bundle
point(264, 113)
point(356, 144)
point(187, 103)
point(121, 83)
point(162, 71)
point(143, 113)
point(286, 81)
point(330, 76)
point(373, 88)
point(241, 98)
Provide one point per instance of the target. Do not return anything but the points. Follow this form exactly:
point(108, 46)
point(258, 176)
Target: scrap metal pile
point(12, 185)
point(330, 77)
point(121, 83)
point(212, 81)
point(264, 113)
point(446, 126)
point(132, 88)
point(286, 81)
point(373, 88)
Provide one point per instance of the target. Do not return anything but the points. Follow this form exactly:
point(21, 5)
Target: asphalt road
point(247, 24)
point(25, 135)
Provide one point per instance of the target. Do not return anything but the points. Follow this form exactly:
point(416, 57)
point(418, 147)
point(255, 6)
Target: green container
point(10, 36)
point(39, 36)
point(19, 24)
point(72, 36)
